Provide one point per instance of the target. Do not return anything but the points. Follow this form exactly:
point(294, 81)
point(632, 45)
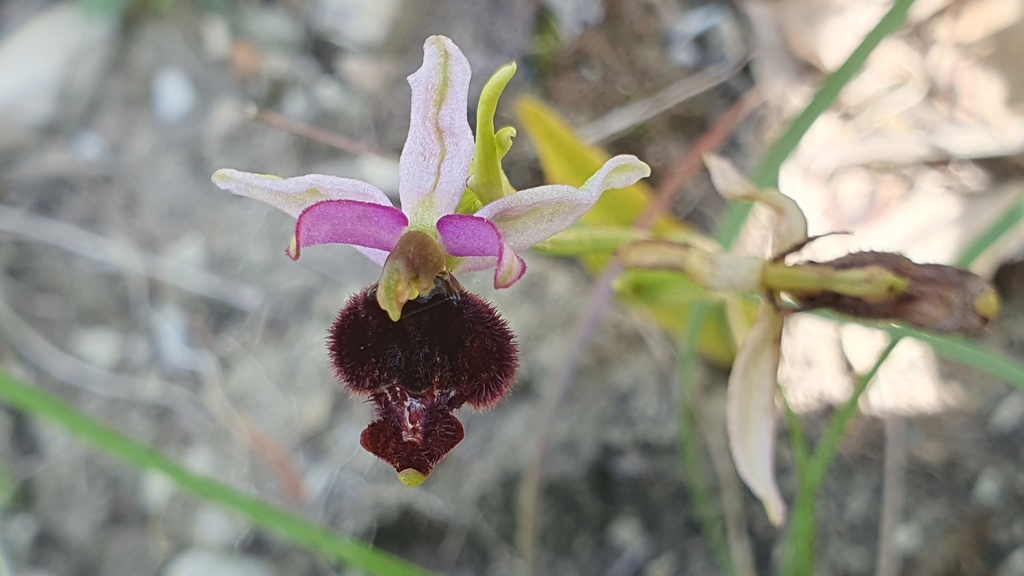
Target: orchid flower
point(458, 213)
point(434, 169)
point(865, 285)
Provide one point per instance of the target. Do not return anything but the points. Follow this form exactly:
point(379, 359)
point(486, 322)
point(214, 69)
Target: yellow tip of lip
point(411, 478)
point(987, 305)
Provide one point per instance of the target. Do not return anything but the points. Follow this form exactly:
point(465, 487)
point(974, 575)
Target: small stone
point(42, 63)
point(69, 507)
point(170, 327)
point(246, 59)
point(572, 17)
point(338, 100)
point(908, 538)
point(626, 532)
point(355, 23)
point(370, 73)
point(201, 460)
point(1008, 415)
point(88, 146)
point(214, 528)
point(201, 562)
point(174, 95)
point(18, 533)
point(1013, 565)
point(129, 551)
point(851, 557)
point(988, 488)
point(155, 492)
point(664, 565)
point(217, 40)
point(271, 26)
point(100, 346)
point(298, 105)
point(707, 35)
point(189, 250)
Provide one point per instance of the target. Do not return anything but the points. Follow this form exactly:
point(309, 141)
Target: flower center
point(409, 271)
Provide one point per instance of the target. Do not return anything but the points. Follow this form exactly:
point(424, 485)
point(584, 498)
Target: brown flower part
point(449, 348)
point(939, 298)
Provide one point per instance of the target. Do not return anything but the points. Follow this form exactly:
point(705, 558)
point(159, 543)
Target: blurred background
point(135, 289)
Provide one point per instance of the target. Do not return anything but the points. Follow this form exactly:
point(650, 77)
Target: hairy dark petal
point(489, 359)
point(420, 447)
point(448, 349)
point(450, 340)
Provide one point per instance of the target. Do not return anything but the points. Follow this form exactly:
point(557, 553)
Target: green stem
point(827, 448)
point(797, 436)
point(868, 282)
point(311, 535)
point(800, 552)
point(711, 525)
point(801, 540)
point(801, 544)
point(1009, 220)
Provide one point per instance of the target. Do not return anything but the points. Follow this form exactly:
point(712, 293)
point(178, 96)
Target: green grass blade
point(955, 348)
point(961, 350)
point(766, 174)
point(828, 447)
point(709, 514)
point(1007, 222)
point(968, 353)
point(303, 532)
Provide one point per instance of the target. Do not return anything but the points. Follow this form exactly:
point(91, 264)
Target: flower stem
point(801, 547)
point(868, 283)
point(827, 448)
point(800, 553)
point(710, 518)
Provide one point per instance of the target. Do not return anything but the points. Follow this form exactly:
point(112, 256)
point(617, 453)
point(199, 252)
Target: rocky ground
point(165, 307)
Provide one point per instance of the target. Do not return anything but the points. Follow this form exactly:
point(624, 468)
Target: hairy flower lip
point(449, 349)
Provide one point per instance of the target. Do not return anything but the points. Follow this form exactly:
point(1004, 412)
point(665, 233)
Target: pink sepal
point(468, 236)
point(348, 222)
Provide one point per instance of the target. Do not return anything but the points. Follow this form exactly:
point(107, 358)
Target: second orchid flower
point(863, 285)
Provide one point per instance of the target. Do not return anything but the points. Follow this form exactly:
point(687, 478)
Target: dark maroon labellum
point(449, 348)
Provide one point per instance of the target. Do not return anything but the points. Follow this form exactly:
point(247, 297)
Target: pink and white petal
point(468, 236)
point(434, 166)
point(791, 227)
point(530, 216)
point(348, 222)
point(293, 195)
point(750, 410)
